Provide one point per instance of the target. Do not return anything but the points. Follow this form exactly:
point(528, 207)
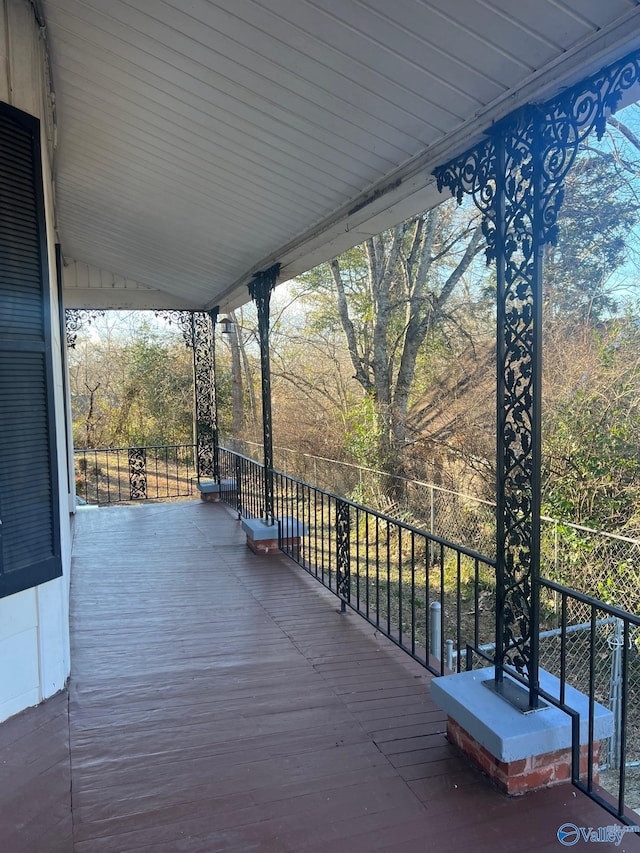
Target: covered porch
point(186, 161)
point(220, 701)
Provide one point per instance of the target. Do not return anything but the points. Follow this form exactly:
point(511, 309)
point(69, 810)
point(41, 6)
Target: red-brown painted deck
point(219, 701)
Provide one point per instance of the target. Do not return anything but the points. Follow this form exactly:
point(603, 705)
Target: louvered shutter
point(29, 511)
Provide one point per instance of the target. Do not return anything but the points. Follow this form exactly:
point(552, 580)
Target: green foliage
point(597, 216)
point(597, 447)
point(592, 462)
point(131, 384)
point(157, 395)
point(591, 437)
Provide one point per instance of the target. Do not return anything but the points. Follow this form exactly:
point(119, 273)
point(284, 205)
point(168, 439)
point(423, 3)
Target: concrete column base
point(210, 490)
point(519, 752)
point(262, 538)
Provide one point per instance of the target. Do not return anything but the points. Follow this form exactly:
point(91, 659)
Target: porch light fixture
point(226, 325)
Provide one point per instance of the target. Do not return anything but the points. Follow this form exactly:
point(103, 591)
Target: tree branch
point(343, 313)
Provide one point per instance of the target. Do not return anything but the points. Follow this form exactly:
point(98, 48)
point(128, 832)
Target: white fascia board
point(126, 300)
point(87, 286)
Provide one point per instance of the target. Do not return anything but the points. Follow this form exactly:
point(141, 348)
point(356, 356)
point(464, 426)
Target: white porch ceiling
point(200, 141)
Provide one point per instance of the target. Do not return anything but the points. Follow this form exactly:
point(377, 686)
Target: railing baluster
point(315, 532)
point(413, 593)
point(458, 601)
point(330, 536)
point(366, 533)
point(563, 649)
point(476, 602)
point(400, 585)
point(427, 593)
point(119, 464)
point(95, 465)
point(592, 697)
point(239, 486)
point(624, 698)
point(442, 611)
point(179, 466)
point(343, 552)
point(322, 527)
point(108, 478)
point(388, 578)
point(358, 558)
point(377, 571)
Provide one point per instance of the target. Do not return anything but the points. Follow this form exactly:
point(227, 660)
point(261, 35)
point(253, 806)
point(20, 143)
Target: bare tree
point(391, 293)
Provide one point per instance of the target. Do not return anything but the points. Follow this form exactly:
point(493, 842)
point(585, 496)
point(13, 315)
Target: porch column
point(198, 333)
point(517, 250)
point(503, 176)
point(260, 291)
point(213, 316)
point(202, 327)
point(515, 178)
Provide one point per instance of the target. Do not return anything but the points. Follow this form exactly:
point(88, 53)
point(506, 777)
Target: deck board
point(220, 702)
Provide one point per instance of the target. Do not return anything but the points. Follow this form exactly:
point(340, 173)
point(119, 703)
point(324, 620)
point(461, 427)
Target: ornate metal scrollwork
point(213, 316)
point(137, 473)
point(76, 319)
point(474, 174)
point(260, 291)
point(204, 395)
point(519, 311)
point(183, 320)
point(343, 550)
point(566, 121)
point(198, 329)
point(516, 180)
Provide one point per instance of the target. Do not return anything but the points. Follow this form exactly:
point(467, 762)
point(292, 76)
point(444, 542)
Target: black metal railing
point(432, 598)
point(603, 662)
point(117, 474)
point(242, 485)
point(401, 579)
point(436, 601)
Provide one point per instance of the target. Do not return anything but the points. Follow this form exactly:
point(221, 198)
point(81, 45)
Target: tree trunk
point(237, 394)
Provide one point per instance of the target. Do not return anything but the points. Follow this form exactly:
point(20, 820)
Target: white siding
point(34, 624)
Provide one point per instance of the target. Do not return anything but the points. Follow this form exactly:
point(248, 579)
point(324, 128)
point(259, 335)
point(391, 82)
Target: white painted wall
point(34, 624)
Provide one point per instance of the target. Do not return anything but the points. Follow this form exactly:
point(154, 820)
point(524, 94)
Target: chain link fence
point(457, 517)
point(603, 565)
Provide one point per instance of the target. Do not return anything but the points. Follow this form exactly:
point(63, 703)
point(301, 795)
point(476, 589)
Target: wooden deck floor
point(219, 701)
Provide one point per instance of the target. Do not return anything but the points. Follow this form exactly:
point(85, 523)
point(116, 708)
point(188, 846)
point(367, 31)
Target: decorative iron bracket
point(183, 320)
point(76, 319)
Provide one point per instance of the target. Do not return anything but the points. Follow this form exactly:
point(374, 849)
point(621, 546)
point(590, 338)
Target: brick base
point(271, 546)
point(527, 774)
point(214, 497)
